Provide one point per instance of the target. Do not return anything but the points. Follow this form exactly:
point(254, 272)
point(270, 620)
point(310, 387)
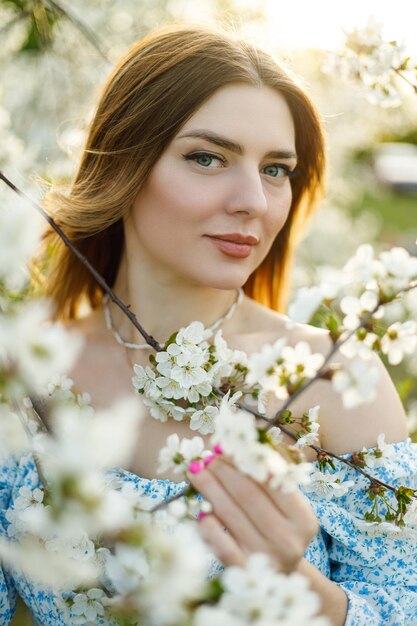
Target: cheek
point(169, 202)
point(280, 210)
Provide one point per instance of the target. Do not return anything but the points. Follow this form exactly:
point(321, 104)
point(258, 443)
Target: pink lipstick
point(234, 244)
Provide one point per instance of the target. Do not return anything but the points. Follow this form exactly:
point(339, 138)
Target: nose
point(247, 194)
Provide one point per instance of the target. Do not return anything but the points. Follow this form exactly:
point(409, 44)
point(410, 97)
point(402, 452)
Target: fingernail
point(218, 449)
point(208, 459)
point(195, 467)
point(201, 515)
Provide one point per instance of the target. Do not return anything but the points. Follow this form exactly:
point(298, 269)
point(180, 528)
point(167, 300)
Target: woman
point(203, 159)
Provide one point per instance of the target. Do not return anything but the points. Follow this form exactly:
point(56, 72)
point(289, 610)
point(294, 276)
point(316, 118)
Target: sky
point(319, 23)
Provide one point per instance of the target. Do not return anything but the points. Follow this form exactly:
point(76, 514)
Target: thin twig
point(148, 338)
point(29, 435)
point(401, 75)
point(40, 412)
point(84, 30)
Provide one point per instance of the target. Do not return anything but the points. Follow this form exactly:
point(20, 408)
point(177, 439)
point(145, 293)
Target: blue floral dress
point(377, 568)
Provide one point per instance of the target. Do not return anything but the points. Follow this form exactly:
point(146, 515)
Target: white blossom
point(328, 485)
point(168, 388)
point(359, 345)
point(399, 339)
point(203, 420)
point(39, 349)
point(55, 570)
point(87, 607)
point(306, 302)
point(256, 594)
point(296, 475)
point(13, 437)
point(357, 384)
point(410, 517)
point(379, 456)
point(364, 268)
point(400, 267)
point(20, 232)
point(234, 429)
point(368, 58)
point(19, 517)
point(312, 427)
point(376, 529)
point(193, 336)
point(162, 409)
point(126, 568)
point(75, 545)
point(356, 308)
point(145, 380)
point(300, 361)
point(178, 453)
point(85, 439)
point(189, 371)
point(261, 364)
point(167, 359)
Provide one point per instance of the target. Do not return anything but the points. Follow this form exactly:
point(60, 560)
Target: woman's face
point(219, 194)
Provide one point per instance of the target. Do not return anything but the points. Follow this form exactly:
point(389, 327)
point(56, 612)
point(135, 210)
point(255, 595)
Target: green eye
point(277, 171)
point(205, 159)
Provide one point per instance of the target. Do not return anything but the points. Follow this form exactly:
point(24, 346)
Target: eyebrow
point(228, 144)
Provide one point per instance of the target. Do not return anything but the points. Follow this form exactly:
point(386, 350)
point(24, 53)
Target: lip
point(251, 240)
point(234, 244)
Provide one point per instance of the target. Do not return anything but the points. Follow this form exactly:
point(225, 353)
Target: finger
point(255, 502)
point(229, 511)
point(286, 541)
point(223, 544)
point(293, 504)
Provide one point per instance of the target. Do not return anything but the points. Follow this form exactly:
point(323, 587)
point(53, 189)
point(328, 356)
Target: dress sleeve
point(374, 563)
point(8, 593)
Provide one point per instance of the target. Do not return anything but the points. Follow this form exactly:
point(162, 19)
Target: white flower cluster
point(178, 454)
point(143, 563)
point(256, 594)
point(238, 436)
point(139, 576)
point(34, 349)
point(20, 233)
point(188, 370)
point(368, 58)
point(379, 280)
point(328, 485)
point(368, 285)
point(378, 456)
point(282, 369)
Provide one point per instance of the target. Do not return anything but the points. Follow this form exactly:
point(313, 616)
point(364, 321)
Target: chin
point(223, 279)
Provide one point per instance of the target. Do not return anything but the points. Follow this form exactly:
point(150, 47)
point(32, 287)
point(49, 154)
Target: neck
point(163, 304)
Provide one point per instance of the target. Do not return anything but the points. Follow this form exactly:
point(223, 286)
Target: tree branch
point(148, 338)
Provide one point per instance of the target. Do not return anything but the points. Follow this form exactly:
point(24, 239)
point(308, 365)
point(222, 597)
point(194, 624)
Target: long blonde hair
point(151, 93)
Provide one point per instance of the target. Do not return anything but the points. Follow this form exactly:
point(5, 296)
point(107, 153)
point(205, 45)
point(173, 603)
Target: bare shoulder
point(262, 321)
point(342, 430)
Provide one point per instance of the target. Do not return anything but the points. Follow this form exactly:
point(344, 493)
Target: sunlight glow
point(320, 23)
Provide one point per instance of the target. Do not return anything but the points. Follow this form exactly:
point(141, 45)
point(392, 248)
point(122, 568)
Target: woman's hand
point(257, 518)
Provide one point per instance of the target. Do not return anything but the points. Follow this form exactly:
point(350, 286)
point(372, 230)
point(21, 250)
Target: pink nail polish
point(195, 467)
point(201, 515)
point(208, 459)
point(218, 449)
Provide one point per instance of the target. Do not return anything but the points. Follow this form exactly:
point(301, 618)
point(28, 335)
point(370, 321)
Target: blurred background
point(54, 55)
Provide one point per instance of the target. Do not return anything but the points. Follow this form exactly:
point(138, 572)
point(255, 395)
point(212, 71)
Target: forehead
point(243, 112)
